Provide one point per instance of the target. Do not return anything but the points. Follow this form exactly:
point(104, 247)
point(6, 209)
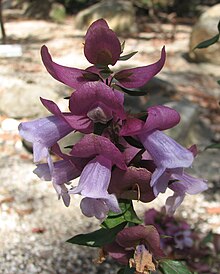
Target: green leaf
point(208, 42)
point(219, 26)
point(218, 82)
point(97, 238)
point(126, 270)
point(127, 215)
point(127, 56)
point(173, 267)
point(213, 146)
point(133, 92)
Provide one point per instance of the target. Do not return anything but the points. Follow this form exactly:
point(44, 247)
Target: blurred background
point(33, 224)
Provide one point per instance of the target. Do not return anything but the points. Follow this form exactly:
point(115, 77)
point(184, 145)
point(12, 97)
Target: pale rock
point(120, 16)
point(204, 29)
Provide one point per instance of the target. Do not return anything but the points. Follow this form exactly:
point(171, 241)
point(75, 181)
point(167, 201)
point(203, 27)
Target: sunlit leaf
point(127, 215)
point(208, 42)
point(173, 267)
point(97, 238)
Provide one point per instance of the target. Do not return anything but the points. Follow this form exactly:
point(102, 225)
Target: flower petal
point(78, 122)
point(102, 46)
point(173, 202)
point(161, 118)
point(71, 77)
point(95, 94)
point(44, 133)
point(134, 181)
point(92, 145)
point(165, 152)
point(95, 179)
point(137, 77)
point(63, 172)
point(188, 184)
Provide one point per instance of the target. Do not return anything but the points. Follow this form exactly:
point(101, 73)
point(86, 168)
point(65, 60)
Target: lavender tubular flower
point(44, 133)
point(95, 177)
point(185, 184)
point(166, 153)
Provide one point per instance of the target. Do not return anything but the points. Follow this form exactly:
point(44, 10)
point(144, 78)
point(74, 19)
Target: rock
point(159, 91)
point(57, 12)
point(206, 28)
point(191, 129)
point(19, 99)
point(119, 14)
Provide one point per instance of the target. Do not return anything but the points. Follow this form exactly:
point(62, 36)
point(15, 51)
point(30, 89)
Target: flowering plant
point(121, 157)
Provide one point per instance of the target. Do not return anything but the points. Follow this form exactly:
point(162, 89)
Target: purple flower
point(102, 46)
point(136, 245)
point(61, 172)
point(95, 177)
point(44, 133)
point(166, 154)
point(164, 151)
point(138, 77)
point(133, 183)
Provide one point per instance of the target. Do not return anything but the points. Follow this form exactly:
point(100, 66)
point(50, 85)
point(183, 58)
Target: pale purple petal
point(62, 192)
point(71, 77)
point(93, 185)
point(44, 133)
point(99, 208)
point(165, 152)
point(95, 179)
point(173, 202)
point(188, 184)
point(63, 172)
point(102, 46)
point(94, 208)
point(137, 77)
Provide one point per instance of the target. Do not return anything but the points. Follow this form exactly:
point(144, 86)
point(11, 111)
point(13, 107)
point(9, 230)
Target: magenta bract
point(102, 46)
point(138, 77)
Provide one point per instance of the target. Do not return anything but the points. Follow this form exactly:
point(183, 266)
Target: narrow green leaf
point(173, 267)
point(97, 238)
point(213, 146)
point(133, 92)
point(127, 56)
point(208, 42)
